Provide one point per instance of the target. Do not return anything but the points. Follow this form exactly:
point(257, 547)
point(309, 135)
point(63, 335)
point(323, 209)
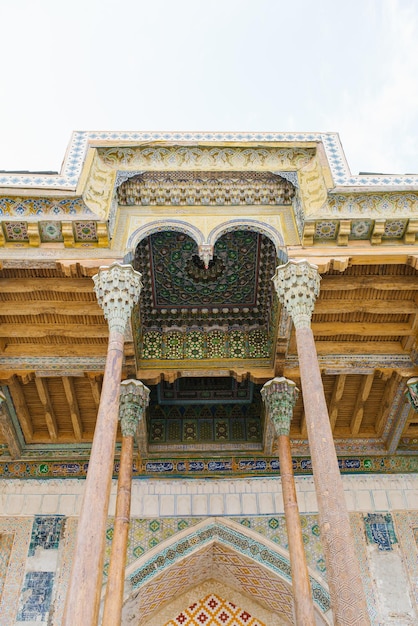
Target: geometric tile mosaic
point(214, 611)
point(234, 541)
point(212, 562)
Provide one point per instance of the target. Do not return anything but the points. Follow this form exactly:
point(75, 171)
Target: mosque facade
point(208, 385)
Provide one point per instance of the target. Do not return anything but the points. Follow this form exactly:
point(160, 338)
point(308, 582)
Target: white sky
point(349, 66)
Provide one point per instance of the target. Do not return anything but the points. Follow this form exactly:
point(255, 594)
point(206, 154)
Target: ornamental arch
point(201, 559)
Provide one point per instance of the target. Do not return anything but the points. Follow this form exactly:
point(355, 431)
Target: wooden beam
point(303, 427)
point(21, 408)
point(336, 305)
point(54, 330)
point(384, 329)
point(74, 408)
point(67, 349)
point(33, 285)
point(337, 394)
point(8, 430)
point(363, 394)
point(386, 403)
point(96, 389)
point(359, 347)
point(53, 307)
point(51, 420)
point(347, 283)
point(409, 342)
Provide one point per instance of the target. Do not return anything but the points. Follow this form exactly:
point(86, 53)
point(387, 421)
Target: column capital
point(117, 288)
point(134, 399)
point(279, 396)
point(297, 287)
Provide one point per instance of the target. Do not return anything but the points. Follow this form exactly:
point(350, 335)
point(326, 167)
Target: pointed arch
point(220, 549)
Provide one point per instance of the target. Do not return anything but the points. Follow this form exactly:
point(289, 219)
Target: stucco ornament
point(297, 287)
point(134, 399)
point(117, 288)
point(412, 392)
point(279, 396)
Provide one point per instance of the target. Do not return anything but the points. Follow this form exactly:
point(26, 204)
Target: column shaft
point(343, 571)
point(302, 596)
point(114, 591)
point(83, 596)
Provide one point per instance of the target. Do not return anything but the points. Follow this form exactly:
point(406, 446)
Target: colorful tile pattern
point(25, 207)
point(214, 611)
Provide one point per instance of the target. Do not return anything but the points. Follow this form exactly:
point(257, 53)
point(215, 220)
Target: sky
point(346, 66)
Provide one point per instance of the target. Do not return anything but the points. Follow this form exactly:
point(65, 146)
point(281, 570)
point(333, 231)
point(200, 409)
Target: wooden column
point(297, 286)
point(280, 396)
point(133, 402)
point(117, 288)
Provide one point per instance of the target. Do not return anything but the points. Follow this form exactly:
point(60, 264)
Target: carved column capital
point(279, 396)
point(411, 392)
point(117, 288)
point(297, 287)
point(134, 399)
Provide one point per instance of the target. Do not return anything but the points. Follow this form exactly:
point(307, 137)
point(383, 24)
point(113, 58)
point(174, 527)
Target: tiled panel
point(36, 597)
point(46, 533)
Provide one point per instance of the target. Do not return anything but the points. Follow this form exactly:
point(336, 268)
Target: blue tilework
point(46, 533)
point(36, 597)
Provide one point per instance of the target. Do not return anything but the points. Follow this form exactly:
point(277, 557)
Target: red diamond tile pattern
point(214, 611)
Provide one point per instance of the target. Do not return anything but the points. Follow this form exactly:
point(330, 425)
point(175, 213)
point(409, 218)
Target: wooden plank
point(33, 285)
point(346, 283)
point(50, 418)
point(46, 307)
point(78, 331)
point(70, 394)
point(337, 394)
point(394, 307)
point(21, 408)
point(8, 429)
point(380, 329)
point(364, 392)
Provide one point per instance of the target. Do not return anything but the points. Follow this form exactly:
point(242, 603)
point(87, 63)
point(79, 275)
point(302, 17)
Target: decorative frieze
point(205, 188)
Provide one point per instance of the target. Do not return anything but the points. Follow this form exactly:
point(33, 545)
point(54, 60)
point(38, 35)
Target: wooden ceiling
point(367, 310)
